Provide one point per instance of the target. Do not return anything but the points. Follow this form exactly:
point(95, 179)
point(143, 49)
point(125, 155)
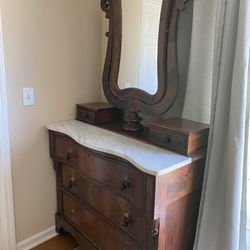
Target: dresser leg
point(59, 229)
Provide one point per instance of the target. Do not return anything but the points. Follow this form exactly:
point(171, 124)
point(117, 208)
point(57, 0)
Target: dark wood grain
point(105, 170)
point(97, 113)
point(100, 231)
point(177, 199)
point(81, 238)
point(180, 135)
point(107, 203)
point(181, 126)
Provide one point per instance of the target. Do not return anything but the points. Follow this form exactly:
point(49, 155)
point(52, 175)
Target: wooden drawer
point(86, 116)
point(98, 230)
point(122, 178)
point(66, 149)
point(85, 243)
point(180, 135)
point(97, 113)
point(117, 209)
point(169, 140)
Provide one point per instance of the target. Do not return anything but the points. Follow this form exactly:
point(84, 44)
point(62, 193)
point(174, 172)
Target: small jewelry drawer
point(180, 135)
point(119, 210)
point(86, 116)
point(97, 113)
point(170, 141)
point(97, 229)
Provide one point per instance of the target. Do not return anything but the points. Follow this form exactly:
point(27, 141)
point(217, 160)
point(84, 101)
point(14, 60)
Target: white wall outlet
point(28, 96)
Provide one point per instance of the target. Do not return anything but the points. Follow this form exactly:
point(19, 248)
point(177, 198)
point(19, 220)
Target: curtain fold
point(201, 62)
point(222, 220)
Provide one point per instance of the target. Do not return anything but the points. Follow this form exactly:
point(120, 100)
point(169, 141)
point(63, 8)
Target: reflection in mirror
point(140, 27)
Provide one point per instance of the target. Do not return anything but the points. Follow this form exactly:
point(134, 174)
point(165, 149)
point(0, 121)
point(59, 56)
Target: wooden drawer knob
point(168, 140)
point(86, 116)
point(126, 220)
point(69, 155)
point(125, 182)
point(71, 182)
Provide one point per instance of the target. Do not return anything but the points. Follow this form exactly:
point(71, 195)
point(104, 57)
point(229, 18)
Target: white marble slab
point(148, 158)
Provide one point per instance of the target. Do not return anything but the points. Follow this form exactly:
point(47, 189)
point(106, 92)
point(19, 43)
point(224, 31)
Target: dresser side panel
point(177, 202)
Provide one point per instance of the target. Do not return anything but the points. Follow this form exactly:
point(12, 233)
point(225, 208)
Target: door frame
point(7, 221)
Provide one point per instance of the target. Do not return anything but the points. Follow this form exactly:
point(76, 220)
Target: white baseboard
point(37, 239)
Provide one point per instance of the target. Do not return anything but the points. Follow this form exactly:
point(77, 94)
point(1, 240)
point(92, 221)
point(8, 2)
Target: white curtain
point(222, 220)
point(197, 105)
point(7, 228)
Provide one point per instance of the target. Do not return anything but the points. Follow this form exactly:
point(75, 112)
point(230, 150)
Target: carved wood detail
point(167, 61)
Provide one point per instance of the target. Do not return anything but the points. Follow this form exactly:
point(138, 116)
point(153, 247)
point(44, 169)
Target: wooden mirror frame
point(134, 100)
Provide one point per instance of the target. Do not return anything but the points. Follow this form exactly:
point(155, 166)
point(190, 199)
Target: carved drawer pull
point(125, 182)
point(71, 182)
point(126, 219)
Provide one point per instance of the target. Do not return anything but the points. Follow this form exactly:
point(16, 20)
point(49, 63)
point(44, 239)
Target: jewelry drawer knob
point(126, 219)
point(71, 182)
point(125, 182)
point(168, 140)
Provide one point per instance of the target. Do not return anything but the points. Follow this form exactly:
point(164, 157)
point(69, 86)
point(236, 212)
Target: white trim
point(37, 239)
point(7, 222)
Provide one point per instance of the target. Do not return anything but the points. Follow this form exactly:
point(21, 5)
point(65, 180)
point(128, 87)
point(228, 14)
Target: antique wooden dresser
point(116, 193)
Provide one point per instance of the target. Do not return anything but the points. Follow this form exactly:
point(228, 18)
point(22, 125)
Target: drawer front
point(120, 177)
point(117, 209)
point(170, 141)
point(81, 239)
point(102, 233)
point(86, 116)
point(66, 149)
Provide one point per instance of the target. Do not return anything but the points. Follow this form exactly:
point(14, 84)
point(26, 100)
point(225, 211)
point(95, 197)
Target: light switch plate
point(28, 96)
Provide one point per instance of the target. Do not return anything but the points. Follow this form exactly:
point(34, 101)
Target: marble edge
point(124, 156)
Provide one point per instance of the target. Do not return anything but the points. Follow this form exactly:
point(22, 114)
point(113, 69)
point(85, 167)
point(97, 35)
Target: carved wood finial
point(105, 7)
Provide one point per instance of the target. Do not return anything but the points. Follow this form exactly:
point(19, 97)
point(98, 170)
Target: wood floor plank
point(61, 242)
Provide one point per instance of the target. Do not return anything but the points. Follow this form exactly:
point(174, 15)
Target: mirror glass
point(140, 27)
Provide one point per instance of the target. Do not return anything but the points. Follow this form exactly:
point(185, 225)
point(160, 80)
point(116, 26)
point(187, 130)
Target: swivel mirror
point(140, 72)
point(138, 66)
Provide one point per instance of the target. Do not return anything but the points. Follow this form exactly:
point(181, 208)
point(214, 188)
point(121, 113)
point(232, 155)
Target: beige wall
point(53, 46)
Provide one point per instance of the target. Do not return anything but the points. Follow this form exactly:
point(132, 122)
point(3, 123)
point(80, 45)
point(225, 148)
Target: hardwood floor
point(61, 242)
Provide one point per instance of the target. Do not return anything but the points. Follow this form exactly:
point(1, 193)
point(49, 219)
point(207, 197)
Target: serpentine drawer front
point(97, 229)
point(120, 210)
point(120, 177)
point(108, 203)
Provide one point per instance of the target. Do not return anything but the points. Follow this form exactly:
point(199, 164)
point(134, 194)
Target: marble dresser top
point(148, 158)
